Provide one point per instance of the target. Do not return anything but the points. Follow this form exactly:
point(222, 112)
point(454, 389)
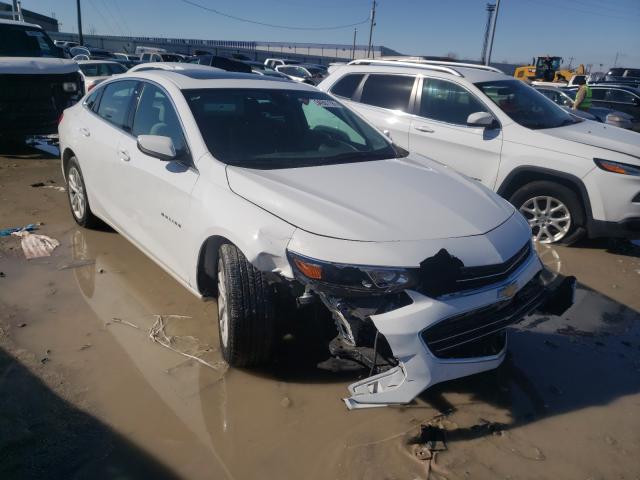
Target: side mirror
point(157, 146)
point(480, 119)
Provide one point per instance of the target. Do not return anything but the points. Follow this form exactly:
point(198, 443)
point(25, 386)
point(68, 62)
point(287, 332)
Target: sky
point(590, 31)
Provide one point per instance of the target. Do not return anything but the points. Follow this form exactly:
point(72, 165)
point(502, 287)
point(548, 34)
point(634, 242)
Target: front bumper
point(435, 340)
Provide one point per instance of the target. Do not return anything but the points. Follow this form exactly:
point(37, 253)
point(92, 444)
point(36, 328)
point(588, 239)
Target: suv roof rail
point(414, 62)
point(394, 63)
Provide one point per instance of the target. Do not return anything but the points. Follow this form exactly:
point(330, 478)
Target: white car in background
point(567, 176)
point(270, 194)
point(95, 71)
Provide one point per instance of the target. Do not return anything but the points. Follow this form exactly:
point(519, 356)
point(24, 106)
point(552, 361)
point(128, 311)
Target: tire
point(555, 212)
point(77, 195)
point(246, 320)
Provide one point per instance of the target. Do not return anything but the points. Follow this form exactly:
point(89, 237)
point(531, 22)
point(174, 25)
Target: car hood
point(29, 65)
point(386, 200)
point(599, 135)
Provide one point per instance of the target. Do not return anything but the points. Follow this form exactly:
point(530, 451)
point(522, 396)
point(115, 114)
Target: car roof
point(23, 24)
point(215, 78)
point(472, 73)
point(86, 62)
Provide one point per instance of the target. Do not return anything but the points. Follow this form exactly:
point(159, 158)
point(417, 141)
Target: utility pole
point(493, 32)
point(373, 23)
point(14, 9)
point(615, 62)
point(80, 37)
point(491, 7)
point(19, 11)
point(571, 59)
point(353, 52)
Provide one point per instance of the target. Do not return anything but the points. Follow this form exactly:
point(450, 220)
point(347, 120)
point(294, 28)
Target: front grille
point(35, 101)
point(444, 274)
point(463, 335)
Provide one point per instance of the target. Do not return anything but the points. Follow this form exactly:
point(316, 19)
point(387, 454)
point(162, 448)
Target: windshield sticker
point(326, 103)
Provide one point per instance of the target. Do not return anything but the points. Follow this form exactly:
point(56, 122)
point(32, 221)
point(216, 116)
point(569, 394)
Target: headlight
point(617, 167)
point(357, 278)
point(69, 87)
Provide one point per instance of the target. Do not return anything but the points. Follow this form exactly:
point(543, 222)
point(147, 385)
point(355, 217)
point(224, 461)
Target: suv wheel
point(245, 310)
point(553, 211)
point(78, 199)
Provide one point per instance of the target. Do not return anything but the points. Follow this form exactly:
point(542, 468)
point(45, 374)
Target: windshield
point(525, 105)
point(552, 63)
point(268, 129)
point(19, 41)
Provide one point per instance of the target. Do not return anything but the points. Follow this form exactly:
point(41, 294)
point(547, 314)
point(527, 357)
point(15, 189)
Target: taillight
point(91, 85)
point(60, 118)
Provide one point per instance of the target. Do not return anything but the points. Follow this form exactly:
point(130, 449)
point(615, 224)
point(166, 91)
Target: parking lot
point(86, 388)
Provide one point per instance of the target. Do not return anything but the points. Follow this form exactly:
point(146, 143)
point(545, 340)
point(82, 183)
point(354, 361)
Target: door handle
point(423, 128)
point(124, 155)
point(84, 132)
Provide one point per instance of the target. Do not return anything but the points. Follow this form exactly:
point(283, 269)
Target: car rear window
point(18, 41)
point(346, 86)
point(388, 91)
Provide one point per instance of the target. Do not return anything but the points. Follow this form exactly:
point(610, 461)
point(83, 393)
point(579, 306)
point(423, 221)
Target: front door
point(439, 130)
point(158, 193)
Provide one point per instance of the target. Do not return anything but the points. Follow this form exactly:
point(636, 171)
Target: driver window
point(156, 116)
point(447, 102)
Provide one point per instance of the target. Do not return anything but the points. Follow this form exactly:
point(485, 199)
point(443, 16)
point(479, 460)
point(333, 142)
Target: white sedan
point(266, 193)
point(95, 71)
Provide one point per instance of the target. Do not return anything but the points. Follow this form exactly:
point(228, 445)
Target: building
point(50, 24)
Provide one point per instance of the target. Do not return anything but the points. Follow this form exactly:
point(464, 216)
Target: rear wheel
point(78, 199)
point(246, 320)
point(553, 211)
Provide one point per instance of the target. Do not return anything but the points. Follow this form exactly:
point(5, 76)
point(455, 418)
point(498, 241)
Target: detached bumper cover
point(436, 340)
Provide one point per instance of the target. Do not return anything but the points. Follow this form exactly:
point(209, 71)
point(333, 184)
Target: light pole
point(80, 37)
point(373, 22)
point(353, 51)
point(493, 32)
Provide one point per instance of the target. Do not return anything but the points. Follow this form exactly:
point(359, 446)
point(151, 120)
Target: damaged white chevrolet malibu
point(267, 193)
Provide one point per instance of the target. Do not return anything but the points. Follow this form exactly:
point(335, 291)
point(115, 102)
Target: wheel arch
point(521, 176)
point(66, 156)
point(207, 269)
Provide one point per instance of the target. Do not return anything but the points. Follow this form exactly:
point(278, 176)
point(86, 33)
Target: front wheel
point(554, 212)
point(246, 321)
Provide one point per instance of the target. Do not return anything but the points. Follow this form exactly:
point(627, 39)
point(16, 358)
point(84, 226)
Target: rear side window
point(115, 102)
point(346, 86)
point(156, 116)
point(91, 100)
point(619, 96)
point(388, 91)
point(447, 102)
point(598, 93)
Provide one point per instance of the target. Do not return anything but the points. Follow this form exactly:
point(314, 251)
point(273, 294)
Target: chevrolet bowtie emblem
point(508, 291)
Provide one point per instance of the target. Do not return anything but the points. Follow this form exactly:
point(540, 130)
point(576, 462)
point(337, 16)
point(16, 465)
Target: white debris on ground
point(187, 346)
point(36, 246)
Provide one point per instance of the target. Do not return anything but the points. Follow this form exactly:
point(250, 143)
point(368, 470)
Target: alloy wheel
point(548, 217)
point(76, 193)
point(223, 314)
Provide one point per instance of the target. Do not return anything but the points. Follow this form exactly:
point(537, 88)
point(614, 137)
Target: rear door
point(385, 100)
point(440, 131)
point(100, 134)
point(157, 193)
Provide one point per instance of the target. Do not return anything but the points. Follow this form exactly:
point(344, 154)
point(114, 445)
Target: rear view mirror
point(157, 146)
point(480, 119)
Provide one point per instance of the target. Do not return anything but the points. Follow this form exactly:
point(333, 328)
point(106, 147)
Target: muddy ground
point(86, 393)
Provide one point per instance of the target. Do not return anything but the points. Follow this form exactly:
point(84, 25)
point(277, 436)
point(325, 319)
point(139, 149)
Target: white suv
point(567, 176)
point(268, 193)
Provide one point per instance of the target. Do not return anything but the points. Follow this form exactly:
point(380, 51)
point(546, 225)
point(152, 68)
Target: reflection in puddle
point(288, 421)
